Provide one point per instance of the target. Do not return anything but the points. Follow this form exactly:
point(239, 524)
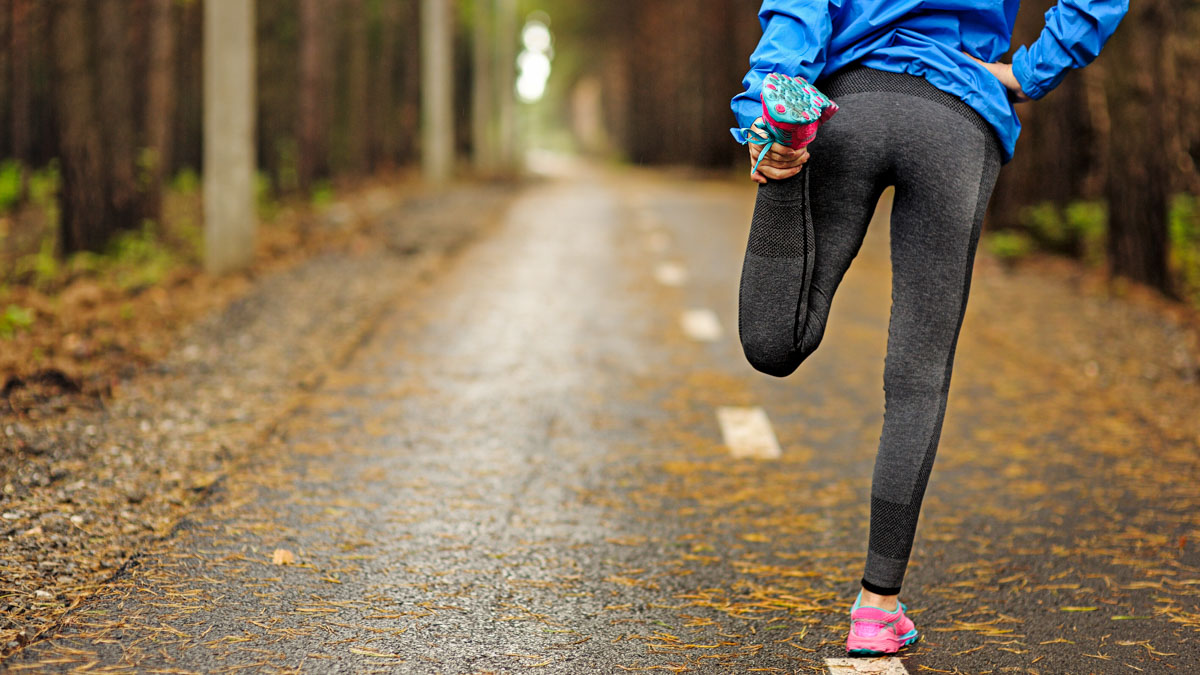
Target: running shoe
point(875, 632)
point(793, 109)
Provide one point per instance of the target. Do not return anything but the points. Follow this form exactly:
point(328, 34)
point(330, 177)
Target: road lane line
point(748, 433)
point(701, 325)
point(671, 274)
point(888, 666)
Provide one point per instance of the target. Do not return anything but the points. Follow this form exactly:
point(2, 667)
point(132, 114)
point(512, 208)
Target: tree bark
point(229, 216)
point(312, 135)
point(437, 101)
point(506, 56)
point(409, 100)
point(358, 89)
point(483, 96)
point(81, 197)
point(19, 84)
point(384, 112)
point(115, 97)
point(160, 100)
point(1139, 175)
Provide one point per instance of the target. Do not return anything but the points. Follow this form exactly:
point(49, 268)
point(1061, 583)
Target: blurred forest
point(103, 101)
point(101, 112)
point(1106, 169)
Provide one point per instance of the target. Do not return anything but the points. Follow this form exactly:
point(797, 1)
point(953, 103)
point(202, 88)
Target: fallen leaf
point(282, 556)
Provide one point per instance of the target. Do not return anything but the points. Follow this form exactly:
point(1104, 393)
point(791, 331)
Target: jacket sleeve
point(795, 35)
point(1075, 32)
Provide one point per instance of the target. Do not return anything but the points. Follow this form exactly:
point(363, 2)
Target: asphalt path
point(524, 469)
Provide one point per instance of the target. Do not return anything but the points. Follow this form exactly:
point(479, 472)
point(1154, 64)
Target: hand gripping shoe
point(793, 109)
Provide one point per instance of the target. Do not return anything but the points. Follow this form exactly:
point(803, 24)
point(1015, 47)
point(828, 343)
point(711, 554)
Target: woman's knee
point(776, 355)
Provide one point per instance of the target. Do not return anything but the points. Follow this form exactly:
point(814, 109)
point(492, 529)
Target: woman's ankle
point(888, 603)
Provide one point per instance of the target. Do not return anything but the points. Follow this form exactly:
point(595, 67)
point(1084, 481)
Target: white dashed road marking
point(889, 666)
point(701, 325)
point(748, 433)
point(671, 274)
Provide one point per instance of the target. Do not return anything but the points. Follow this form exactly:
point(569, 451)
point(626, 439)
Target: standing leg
point(946, 169)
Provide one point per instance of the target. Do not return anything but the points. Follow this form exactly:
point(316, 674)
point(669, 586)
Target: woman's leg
point(805, 232)
point(945, 167)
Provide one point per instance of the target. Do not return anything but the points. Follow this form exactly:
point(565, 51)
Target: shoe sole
point(783, 102)
point(872, 652)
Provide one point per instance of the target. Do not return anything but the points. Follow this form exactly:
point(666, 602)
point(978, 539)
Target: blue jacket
point(814, 38)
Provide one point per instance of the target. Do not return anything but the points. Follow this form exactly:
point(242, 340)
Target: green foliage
point(10, 184)
point(264, 197)
point(287, 175)
point(322, 194)
point(1077, 230)
point(1008, 245)
point(41, 267)
point(187, 182)
point(1088, 220)
point(138, 259)
point(1184, 233)
point(147, 163)
point(13, 320)
point(43, 187)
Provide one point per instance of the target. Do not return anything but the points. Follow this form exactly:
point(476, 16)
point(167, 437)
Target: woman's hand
point(1004, 73)
point(781, 161)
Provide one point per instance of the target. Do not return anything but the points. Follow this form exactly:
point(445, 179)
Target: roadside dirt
point(152, 396)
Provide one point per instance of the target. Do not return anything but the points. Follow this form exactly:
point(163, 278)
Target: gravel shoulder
point(83, 493)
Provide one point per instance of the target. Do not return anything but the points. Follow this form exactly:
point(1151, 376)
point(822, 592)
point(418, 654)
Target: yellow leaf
point(282, 556)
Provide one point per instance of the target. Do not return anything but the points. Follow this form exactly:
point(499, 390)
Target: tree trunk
point(115, 97)
point(6, 16)
point(482, 87)
point(81, 197)
point(160, 100)
point(437, 102)
point(409, 116)
point(506, 57)
point(313, 160)
point(20, 93)
point(229, 217)
point(384, 112)
point(1139, 176)
point(358, 89)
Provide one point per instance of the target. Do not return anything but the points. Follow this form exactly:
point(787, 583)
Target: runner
point(927, 108)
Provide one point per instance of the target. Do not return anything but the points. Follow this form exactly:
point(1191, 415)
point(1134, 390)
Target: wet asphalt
point(521, 470)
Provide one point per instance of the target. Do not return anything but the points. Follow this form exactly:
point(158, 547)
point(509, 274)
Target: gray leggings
point(942, 158)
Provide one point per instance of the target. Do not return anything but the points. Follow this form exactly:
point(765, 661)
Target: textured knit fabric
point(815, 38)
point(943, 161)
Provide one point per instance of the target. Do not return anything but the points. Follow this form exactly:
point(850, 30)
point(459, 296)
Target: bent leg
point(805, 232)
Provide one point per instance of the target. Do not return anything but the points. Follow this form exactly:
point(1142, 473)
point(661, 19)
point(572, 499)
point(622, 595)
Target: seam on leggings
point(860, 80)
point(806, 223)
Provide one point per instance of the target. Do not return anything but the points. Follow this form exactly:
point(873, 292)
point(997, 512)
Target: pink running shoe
point(874, 632)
